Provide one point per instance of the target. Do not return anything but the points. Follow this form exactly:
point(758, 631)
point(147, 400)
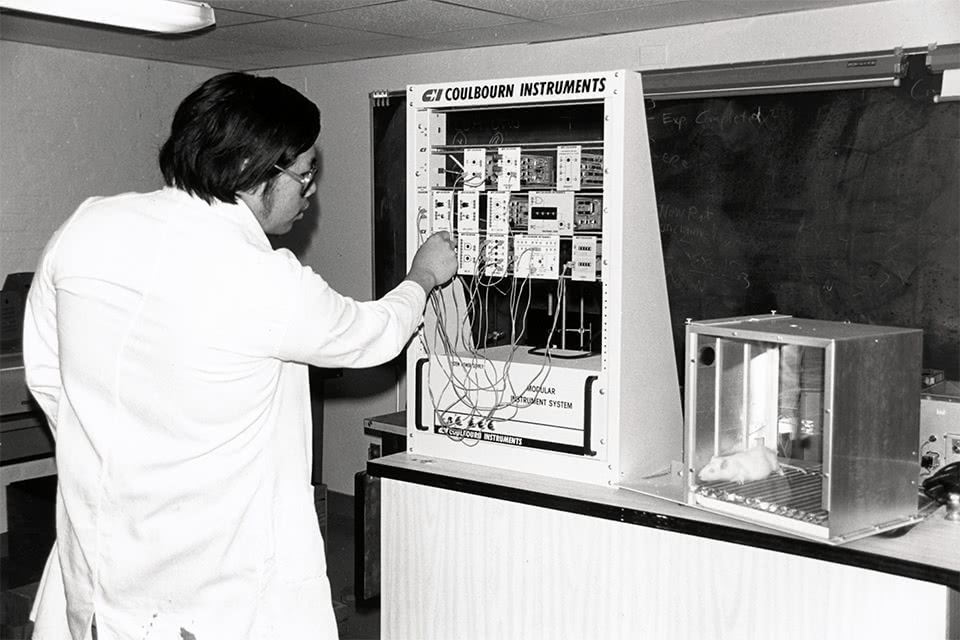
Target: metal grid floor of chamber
point(796, 494)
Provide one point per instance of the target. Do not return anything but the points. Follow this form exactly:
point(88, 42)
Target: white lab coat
point(165, 340)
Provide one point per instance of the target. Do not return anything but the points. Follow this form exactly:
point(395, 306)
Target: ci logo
point(431, 95)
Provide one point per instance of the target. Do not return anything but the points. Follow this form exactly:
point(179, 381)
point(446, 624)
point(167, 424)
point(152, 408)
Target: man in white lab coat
point(168, 345)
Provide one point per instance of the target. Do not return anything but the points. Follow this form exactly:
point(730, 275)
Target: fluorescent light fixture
point(943, 57)
point(807, 74)
point(162, 16)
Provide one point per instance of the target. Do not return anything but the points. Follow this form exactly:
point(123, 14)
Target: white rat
point(755, 463)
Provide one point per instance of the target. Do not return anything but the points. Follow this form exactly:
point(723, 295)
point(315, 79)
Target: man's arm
point(327, 329)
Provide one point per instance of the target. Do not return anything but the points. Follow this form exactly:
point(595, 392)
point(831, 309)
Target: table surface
point(929, 550)
point(395, 423)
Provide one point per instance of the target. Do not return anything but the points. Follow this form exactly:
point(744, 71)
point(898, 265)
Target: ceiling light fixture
point(162, 16)
point(877, 69)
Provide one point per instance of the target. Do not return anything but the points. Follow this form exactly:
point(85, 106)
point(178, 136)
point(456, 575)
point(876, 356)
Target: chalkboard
point(389, 192)
point(837, 205)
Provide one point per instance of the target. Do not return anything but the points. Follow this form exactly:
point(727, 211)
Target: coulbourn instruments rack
point(551, 352)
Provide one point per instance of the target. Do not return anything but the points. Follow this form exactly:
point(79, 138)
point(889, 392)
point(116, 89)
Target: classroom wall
point(75, 124)
point(340, 248)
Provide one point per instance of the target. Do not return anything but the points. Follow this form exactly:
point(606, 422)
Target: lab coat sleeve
point(41, 354)
point(327, 329)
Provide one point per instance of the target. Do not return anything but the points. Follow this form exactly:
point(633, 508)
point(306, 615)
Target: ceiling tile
point(232, 18)
point(71, 35)
point(411, 18)
point(203, 47)
point(22, 28)
point(200, 51)
point(549, 9)
point(650, 17)
point(280, 58)
point(391, 46)
point(514, 33)
point(291, 34)
point(287, 8)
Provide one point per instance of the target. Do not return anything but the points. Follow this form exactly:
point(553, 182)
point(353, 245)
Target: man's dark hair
point(229, 133)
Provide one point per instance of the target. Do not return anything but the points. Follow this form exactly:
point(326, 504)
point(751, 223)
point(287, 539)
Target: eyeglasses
point(305, 179)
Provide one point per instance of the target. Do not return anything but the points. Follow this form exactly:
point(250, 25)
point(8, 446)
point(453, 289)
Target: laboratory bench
point(470, 551)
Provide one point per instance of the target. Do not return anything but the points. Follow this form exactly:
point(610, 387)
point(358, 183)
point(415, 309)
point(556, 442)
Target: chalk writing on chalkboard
point(840, 205)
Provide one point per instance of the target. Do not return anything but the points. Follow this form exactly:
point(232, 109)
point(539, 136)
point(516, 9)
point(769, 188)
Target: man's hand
point(435, 262)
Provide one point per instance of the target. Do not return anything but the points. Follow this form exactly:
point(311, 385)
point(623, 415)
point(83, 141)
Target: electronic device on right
point(806, 426)
point(939, 426)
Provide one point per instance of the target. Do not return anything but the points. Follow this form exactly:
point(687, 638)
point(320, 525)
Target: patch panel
point(591, 170)
point(496, 256)
point(468, 211)
point(569, 169)
point(519, 211)
point(588, 213)
point(498, 212)
point(474, 169)
point(441, 211)
point(468, 251)
point(423, 223)
point(430, 170)
point(537, 171)
point(584, 259)
point(551, 212)
point(536, 257)
point(508, 178)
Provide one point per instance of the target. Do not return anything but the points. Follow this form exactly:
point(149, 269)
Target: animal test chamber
point(836, 403)
point(551, 351)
